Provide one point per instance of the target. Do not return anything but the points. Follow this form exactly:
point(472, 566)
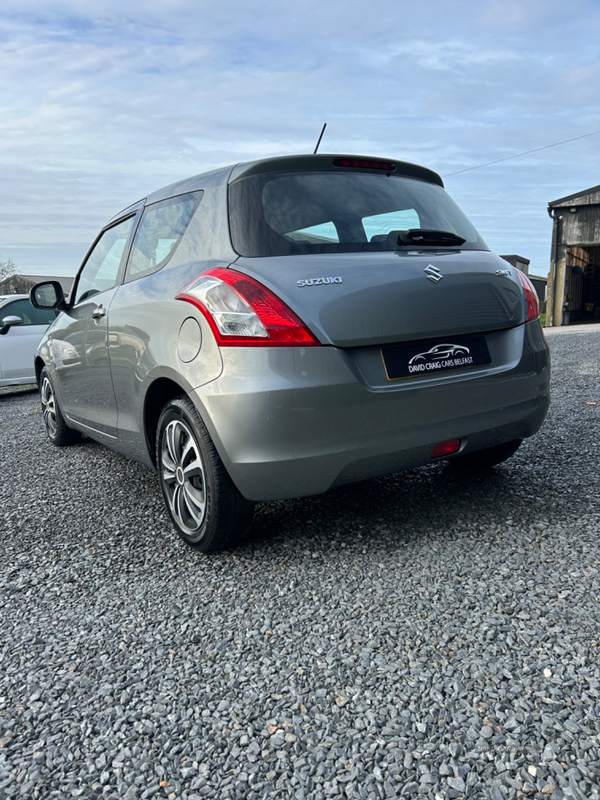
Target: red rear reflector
point(446, 448)
point(363, 163)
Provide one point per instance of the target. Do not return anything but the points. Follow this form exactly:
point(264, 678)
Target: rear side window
point(159, 232)
point(29, 315)
point(337, 212)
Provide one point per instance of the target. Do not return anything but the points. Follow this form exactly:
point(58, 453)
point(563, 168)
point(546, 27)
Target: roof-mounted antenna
point(320, 137)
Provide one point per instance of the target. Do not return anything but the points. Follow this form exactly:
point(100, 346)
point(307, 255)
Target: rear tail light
point(446, 448)
point(533, 306)
point(242, 312)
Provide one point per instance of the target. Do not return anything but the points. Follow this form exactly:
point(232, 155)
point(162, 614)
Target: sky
point(103, 102)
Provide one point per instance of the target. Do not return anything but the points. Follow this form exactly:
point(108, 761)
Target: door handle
point(99, 312)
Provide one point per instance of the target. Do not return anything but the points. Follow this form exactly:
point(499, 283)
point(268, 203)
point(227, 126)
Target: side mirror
point(7, 324)
point(48, 295)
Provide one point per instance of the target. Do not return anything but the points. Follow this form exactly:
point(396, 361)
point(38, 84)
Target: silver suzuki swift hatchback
point(273, 329)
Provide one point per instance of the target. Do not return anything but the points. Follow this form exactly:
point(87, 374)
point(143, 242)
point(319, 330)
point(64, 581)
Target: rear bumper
point(293, 422)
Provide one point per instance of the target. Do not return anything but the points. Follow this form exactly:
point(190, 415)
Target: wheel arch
point(159, 393)
point(39, 366)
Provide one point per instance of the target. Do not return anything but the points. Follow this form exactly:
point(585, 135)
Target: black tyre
point(484, 459)
point(57, 430)
point(208, 511)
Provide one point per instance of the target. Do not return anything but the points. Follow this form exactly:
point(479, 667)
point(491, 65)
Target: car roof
point(4, 298)
point(295, 163)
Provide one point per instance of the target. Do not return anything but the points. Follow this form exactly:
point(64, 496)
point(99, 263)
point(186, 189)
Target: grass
point(543, 319)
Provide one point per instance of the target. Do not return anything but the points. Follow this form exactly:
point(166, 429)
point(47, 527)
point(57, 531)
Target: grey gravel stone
point(457, 783)
point(428, 634)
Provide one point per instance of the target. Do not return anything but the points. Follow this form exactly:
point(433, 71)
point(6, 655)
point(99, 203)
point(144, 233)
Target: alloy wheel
point(49, 408)
point(182, 471)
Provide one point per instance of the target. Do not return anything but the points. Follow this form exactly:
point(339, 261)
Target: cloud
point(444, 55)
point(101, 104)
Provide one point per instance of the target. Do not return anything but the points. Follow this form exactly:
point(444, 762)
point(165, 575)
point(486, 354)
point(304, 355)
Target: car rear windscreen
point(338, 212)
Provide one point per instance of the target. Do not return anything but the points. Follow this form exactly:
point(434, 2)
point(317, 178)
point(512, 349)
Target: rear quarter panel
point(144, 327)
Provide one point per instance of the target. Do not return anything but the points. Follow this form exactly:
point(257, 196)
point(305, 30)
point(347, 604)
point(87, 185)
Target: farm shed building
point(574, 278)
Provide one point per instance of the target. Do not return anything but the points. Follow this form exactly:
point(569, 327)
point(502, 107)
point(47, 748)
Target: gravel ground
point(424, 635)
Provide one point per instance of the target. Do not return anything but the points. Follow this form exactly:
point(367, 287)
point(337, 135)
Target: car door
point(18, 345)
point(80, 335)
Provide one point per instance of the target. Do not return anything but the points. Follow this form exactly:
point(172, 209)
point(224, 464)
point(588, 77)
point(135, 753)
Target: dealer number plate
point(433, 356)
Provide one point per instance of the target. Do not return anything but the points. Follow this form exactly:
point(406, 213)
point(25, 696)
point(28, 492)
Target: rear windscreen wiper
point(423, 236)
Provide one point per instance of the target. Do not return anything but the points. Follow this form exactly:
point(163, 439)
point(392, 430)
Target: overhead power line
point(518, 155)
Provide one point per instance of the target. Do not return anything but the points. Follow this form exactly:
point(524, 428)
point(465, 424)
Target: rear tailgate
point(367, 299)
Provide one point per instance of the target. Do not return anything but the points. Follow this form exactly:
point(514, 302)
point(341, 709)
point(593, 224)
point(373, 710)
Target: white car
point(21, 328)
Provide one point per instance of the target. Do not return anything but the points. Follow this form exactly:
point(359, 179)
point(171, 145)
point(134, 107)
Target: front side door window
point(101, 270)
